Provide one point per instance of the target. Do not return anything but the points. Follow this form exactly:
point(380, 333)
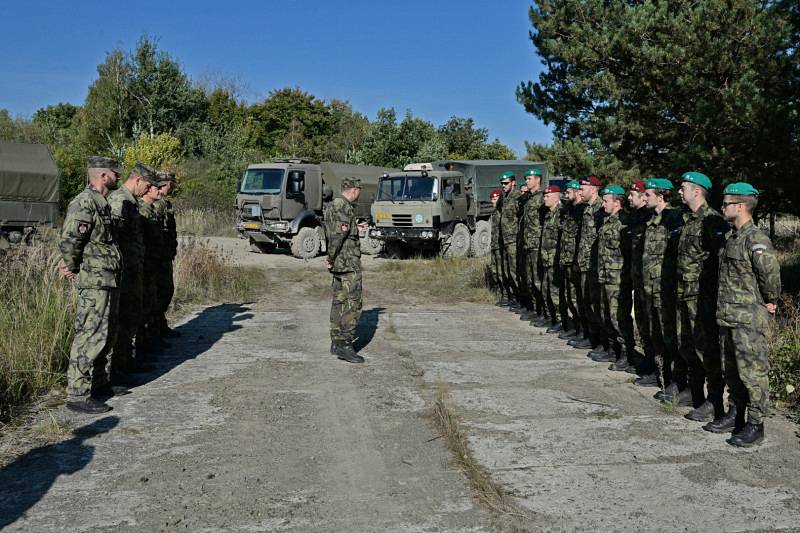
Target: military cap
point(532, 172)
point(698, 179)
point(148, 173)
point(552, 188)
point(351, 183)
point(168, 176)
point(658, 183)
point(509, 175)
point(638, 186)
point(613, 189)
point(495, 193)
point(590, 180)
point(573, 184)
point(741, 189)
point(97, 161)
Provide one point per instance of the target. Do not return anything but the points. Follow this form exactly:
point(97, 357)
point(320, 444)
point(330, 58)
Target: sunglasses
point(726, 204)
point(505, 182)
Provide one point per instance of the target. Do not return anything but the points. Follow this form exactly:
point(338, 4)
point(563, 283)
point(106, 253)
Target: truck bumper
point(404, 234)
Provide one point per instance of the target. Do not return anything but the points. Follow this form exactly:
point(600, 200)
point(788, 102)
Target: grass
point(206, 222)
point(438, 279)
point(784, 372)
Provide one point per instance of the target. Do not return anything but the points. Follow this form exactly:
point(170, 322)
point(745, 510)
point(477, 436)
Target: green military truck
point(30, 191)
point(280, 203)
point(442, 205)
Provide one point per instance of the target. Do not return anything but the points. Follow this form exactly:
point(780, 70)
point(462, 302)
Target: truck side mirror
point(296, 183)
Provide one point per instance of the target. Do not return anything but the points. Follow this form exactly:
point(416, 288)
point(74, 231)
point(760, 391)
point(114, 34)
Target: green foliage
point(161, 151)
point(573, 157)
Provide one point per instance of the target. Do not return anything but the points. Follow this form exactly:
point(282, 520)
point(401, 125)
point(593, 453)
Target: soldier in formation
point(108, 242)
point(701, 286)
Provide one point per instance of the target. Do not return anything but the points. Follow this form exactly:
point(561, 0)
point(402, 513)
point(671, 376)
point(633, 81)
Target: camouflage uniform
point(568, 247)
point(509, 227)
point(165, 286)
point(129, 230)
point(88, 249)
point(749, 278)
point(344, 255)
point(614, 277)
point(495, 263)
point(637, 224)
point(586, 261)
point(553, 278)
point(530, 232)
point(153, 251)
point(659, 258)
point(702, 238)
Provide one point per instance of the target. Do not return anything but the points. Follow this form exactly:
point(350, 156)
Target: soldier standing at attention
point(92, 261)
point(552, 275)
point(566, 259)
point(531, 239)
point(130, 236)
point(344, 262)
point(509, 228)
point(702, 237)
point(147, 336)
point(495, 264)
point(749, 288)
point(165, 286)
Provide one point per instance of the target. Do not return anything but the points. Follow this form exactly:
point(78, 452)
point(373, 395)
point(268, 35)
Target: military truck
point(281, 203)
point(444, 204)
point(30, 191)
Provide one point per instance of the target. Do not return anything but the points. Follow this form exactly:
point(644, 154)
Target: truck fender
point(302, 217)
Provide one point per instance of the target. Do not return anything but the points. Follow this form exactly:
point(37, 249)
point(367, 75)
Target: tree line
point(143, 106)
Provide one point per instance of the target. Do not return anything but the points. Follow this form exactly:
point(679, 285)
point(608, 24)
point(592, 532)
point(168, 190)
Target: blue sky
point(438, 58)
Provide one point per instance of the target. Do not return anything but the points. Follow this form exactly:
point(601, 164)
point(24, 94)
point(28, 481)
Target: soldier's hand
point(771, 308)
point(70, 275)
point(328, 264)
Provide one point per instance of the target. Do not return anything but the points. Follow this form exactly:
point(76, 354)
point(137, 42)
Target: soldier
point(165, 286)
point(749, 288)
point(702, 237)
point(659, 269)
point(495, 264)
point(573, 212)
point(530, 232)
point(586, 262)
point(614, 278)
point(509, 227)
point(129, 231)
point(552, 275)
point(344, 262)
point(148, 336)
point(92, 261)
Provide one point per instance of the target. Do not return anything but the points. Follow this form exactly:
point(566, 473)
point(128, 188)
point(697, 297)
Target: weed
point(205, 222)
point(670, 407)
point(441, 280)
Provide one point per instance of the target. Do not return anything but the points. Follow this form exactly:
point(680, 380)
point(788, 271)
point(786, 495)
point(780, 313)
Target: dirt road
point(249, 424)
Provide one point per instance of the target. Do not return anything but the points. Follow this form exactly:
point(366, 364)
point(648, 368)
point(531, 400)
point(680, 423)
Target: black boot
point(581, 343)
point(568, 335)
point(668, 394)
point(555, 328)
point(604, 356)
point(725, 423)
point(704, 413)
point(88, 405)
point(751, 435)
point(621, 364)
point(541, 322)
point(647, 380)
point(346, 352)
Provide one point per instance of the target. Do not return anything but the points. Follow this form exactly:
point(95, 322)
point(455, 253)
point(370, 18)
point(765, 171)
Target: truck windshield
point(262, 180)
point(407, 188)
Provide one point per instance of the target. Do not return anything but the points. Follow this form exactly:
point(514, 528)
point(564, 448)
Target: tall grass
point(459, 279)
point(206, 222)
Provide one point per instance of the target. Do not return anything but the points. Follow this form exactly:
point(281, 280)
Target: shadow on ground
point(367, 326)
point(25, 481)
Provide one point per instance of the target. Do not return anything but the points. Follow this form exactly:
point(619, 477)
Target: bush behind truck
point(442, 205)
point(280, 203)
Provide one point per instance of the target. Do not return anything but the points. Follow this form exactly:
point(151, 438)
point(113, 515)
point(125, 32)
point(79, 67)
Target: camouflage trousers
point(346, 305)
point(553, 293)
point(531, 280)
point(591, 314)
point(95, 334)
point(698, 337)
point(165, 290)
point(615, 310)
point(574, 295)
point(130, 317)
point(147, 327)
point(510, 271)
point(746, 365)
point(663, 332)
point(495, 268)
point(642, 317)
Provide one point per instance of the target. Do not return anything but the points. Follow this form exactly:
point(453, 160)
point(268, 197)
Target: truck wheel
point(457, 244)
point(481, 239)
point(261, 247)
point(306, 243)
point(371, 246)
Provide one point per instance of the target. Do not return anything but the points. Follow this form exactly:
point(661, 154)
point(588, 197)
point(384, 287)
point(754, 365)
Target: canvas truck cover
point(333, 173)
point(28, 173)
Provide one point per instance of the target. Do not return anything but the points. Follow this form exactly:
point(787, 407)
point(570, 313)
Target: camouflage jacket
point(166, 217)
point(128, 226)
point(344, 250)
point(530, 221)
point(509, 218)
point(570, 234)
point(636, 225)
point(749, 277)
point(591, 220)
point(551, 232)
point(702, 238)
point(611, 257)
point(495, 221)
point(153, 236)
point(660, 253)
point(87, 244)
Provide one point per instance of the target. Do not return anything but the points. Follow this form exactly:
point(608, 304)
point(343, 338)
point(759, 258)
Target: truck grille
point(401, 221)
point(251, 211)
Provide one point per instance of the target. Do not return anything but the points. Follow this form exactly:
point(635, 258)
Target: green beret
point(658, 183)
point(507, 176)
point(613, 189)
point(351, 183)
point(97, 161)
point(532, 172)
point(573, 184)
point(741, 189)
point(698, 179)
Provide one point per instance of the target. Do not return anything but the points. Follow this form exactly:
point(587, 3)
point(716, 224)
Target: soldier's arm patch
point(81, 227)
point(759, 249)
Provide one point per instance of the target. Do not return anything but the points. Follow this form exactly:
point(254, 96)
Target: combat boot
point(346, 352)
point(605, 356)
point(647, 380)
point(725, 423)
point(541, 322)
point(581, 343)
point(751, 435)
point(668, 394)
point(88, 405)
point(704, 413)
point(568, 335)
point(555, 328)
point(621, 364)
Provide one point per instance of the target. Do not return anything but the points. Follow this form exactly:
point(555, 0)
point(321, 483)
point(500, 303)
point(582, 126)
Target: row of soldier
point(117, 247)
point(701, 287)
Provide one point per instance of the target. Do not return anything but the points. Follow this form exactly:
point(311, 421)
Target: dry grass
point(438, 279)
point(205, 222)
point(784, 371)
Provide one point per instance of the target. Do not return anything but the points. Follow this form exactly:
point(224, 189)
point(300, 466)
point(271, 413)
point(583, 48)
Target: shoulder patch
point(81, 227)
point(759, 249)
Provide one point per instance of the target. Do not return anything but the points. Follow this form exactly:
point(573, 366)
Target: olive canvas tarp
point(29, 184)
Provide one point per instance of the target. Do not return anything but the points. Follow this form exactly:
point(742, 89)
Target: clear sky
point(438, 57)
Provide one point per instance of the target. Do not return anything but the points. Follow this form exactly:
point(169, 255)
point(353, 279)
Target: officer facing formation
point(495, 262)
